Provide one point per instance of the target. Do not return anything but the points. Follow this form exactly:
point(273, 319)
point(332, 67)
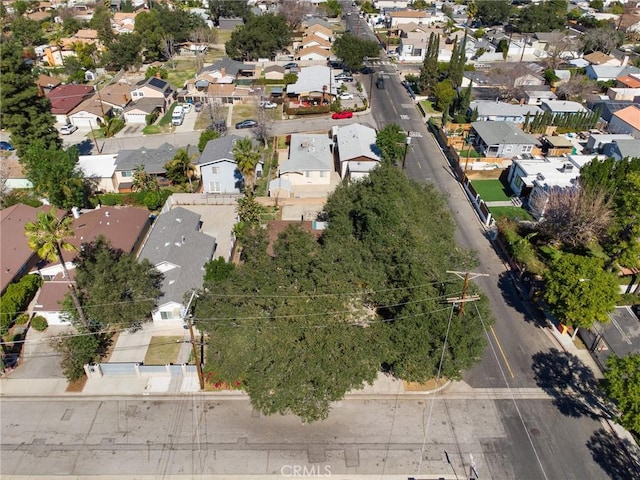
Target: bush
point(16, 299)
point(39, 323)
point(309, 110)
point(22, 319)
point(205, 137)
point(152, 117)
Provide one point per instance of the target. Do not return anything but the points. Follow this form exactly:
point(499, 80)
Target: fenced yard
point(514, 213)
point(492, 190)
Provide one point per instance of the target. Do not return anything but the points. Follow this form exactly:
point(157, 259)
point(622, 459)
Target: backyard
point(514, 213)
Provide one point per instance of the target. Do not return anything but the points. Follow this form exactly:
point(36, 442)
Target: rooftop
point(308, 152)
point(629, 115)
point(357, 140)
point(495, 133)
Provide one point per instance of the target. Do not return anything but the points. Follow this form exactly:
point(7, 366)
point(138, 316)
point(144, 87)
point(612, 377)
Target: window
point(48, 278)
point(127, 173)
point(215, 170)
point(214, 187)
point(324, 174)
point(508, 148)
point(307, 174)
point(527, 148)
point(166, 315)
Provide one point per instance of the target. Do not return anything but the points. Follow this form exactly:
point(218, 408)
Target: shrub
point(22, 319)
point(309, 110)
point(152, 117)
point(16, 299)
point(39, 323)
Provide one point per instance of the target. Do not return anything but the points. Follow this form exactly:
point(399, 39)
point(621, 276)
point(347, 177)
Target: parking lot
point(621, 336)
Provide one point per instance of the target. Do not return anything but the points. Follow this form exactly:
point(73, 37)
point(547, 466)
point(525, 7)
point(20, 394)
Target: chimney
point(158, 74)
point(75, 211)
point(223, 72)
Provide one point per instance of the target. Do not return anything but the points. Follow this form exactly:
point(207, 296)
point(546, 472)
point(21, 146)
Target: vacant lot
point(163, 350)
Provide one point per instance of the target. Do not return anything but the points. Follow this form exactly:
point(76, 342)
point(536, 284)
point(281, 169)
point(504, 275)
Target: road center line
point(502, 351)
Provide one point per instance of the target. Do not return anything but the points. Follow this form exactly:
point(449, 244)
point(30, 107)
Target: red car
point(344, 114)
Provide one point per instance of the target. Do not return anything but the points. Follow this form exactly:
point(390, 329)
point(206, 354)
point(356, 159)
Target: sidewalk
point(567, 344)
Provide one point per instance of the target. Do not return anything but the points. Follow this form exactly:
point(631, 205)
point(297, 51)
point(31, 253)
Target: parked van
point(177, 117)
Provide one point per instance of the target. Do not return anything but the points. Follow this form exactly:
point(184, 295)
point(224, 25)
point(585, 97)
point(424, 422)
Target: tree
point(294, 12)
point(26, 31)
point(391, 141)
point(47, 236)
point(25, 113)
point(181, 170)
point(352, 50)
point(333, 8)
point(493, 12)
point(624, 239)
point(622, 385)
point(444, 94)
point(579, 291)
point(218, 270)
point(260, 37)
point(429, 70)
point(206, 137)
point(77, 351)
point(124, 51)
point(543, 17)
point(116, 290)
point(228, 8)
point(602, 39)
point(247, 157)
point(143, 181)
point(55, 174)
point(576, 88)
point(101, 22)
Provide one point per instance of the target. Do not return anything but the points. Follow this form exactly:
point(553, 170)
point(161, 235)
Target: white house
point(99, 170)
point(356, 150)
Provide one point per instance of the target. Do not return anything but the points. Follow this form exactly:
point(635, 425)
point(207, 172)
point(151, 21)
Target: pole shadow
point(571, 384)
point(619, 458)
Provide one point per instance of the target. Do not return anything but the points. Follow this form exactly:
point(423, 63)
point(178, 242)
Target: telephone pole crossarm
point(464, 298)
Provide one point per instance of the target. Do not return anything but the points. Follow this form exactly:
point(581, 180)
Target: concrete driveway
point(132, 347)
point(39, 359)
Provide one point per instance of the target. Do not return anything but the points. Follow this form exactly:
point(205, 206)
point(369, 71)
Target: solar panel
point(157, 82)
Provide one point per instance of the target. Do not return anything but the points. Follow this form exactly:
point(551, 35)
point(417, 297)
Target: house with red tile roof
point(628, 81)
point(65, 98)
point(626, 120)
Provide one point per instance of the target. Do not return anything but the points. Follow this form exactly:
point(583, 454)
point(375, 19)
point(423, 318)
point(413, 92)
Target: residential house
point(99, 170)
point(600, 58)
point(65, 98)
point(355, 150)
point(230, 23)
point(90, 113)
point(225, 70)
point(308, 168)
point(123, 22)
point(124, 228)
point(413, 45)
point(629, 94)
point(116, 95)
point(628, 81)
point(620, 149)
point(421, 17)
point(313, 82)
point(558, 107)
point(152, 159)
point(501, 139)
point(560, 44)
point(308, 22)
point(319, 31)
point(218, 169)
point(315, 41)
point(46, 84)
point(55, 55)
point(313, 53)
point(156, 88)
point(501, 111)
point(136, 112)
point(273, 72)
point(391, 4)
point(607, 107)
point(536, 95)
point(179, 250)
point(597, 142)
point(626, 120)
point(604, 73)
point(17, 258)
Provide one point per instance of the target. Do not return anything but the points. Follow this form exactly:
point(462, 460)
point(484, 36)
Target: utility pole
point(189, 319)
point(466, 276)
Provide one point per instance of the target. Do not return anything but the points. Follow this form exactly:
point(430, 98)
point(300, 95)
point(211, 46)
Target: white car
point(186, 107)
point(266, 104)
point(346, 96)
point(68, 129)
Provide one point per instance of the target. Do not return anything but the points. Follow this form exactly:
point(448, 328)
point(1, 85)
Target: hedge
point(309, 110)
point(16, 299)
point(137, 199)
point(39, 323)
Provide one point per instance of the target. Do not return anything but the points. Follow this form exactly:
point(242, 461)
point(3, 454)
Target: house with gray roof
point(356, 150)
point(152, 159)
point(622, 148)
point(179, 250)
point(596, 142)
point(226, 70)
point(501, 111)
point(218, 169)
point(501, 139)
point(604, 73)
point(314, 81)
point(559, 107)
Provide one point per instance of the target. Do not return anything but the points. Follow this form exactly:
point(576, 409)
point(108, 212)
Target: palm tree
point(247, 156)
point(142, 181)
point(181, 169)
point(47, 236)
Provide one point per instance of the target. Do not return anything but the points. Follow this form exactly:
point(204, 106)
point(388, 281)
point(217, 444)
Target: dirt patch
point(77, 386)
point(424, 387)
point(484, 174)
point(114, 340)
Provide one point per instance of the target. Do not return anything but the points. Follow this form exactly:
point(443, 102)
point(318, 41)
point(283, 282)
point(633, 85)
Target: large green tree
point(25, 113)
point(228, 8)
point(429, 71)
point(299, 327)
point(622, 385)
point(493, 12)
point(352, 50)
point(579, 291)
point(542, 17)
point(391, 141)
point(181, 170)
point(55, 174)
point(28, 32)
point(115, 289)
point(261, 37)
point(124, 51)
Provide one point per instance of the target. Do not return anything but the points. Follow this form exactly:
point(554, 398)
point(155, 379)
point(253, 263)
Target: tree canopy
point(301, 327)
point(261, 37)
point(391, 141)
point(352, 50)
point(493, 12)
point(622, 385)
point(542, 17)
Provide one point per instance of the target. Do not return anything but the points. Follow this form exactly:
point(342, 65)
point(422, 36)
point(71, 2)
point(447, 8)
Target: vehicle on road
point(346, 96)
point(186, 108)
point(380, 83)
point(246, 124)
point(267, 104)
point(198, 106)
point(6, 146)
point(68, 129)
point(342, 115)
point(343, 77)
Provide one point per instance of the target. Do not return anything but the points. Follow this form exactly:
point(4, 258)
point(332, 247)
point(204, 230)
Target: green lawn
point(491, 190)
point(428, 106)
point(514, 213)
point(163, 350)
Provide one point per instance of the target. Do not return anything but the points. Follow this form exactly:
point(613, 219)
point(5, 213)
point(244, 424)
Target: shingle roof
point(628, 148)
point(312, 79)
point(409, 14)
point(629, 81)
point(497, 133)
point(630, 115)
point(65, 98)
point(355, 141)
point(179, 251)
point(502, 109)
point(231, 67)
point(218, 149)
point(308, 152)
point(153, 159)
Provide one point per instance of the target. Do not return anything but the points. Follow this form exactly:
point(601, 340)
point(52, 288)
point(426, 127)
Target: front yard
point(163, 350)
point(492, 190)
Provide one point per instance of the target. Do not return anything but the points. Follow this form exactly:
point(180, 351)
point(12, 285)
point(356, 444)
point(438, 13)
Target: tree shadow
point(85, 147)
point(619, 458)
point(570, 383)
point(515, 296)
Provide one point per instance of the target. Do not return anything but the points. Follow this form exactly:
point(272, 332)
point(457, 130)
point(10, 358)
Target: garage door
point(84, 122)
point(135, 117)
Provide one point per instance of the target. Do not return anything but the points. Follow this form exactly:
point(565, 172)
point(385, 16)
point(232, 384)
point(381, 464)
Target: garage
point(135, 117)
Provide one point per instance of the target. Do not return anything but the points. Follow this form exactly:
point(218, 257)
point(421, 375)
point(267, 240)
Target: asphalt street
point(386, 438)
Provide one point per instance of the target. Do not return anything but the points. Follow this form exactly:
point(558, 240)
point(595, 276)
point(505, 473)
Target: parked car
point(343, 77)
point(267, 104)
point(198, 106)
point(291, 65)
point(346, 96)
point(343, 114)
point(186, 108)
point(6, 146)
point(247, 124)
point(68, 129)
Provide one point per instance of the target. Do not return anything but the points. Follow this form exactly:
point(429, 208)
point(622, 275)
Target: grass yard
point(151, 130)
point(163, 350)
point(491, 190)
point(242, 111)
point(428, 106)
point(514, 213)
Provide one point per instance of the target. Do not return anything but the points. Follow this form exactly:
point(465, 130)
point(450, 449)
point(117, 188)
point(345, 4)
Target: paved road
point(388, 438)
